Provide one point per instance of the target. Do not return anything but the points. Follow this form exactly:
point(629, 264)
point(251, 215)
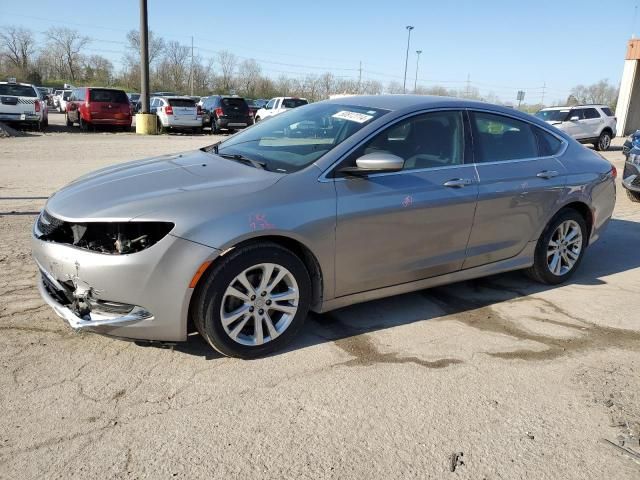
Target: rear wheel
point(258, 119)
point(68, 122)
point(161, 128)
point(604, 141)
point(560, 248)
point(84, 126)
point(253, 301)
point(633, 196)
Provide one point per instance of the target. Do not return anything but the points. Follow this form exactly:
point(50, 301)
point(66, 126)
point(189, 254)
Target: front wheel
point(604, 141)
point(560, 248)
point(633, 196)
point(253, 301)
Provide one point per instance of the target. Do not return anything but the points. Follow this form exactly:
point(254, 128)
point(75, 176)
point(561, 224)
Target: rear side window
point(293, 102)
point(547, 144)
point(182, 102)
point(235, 103)
point(18, 90)
point(591, 113)
point(498, 138)
point(607, 111)
point(108, 96)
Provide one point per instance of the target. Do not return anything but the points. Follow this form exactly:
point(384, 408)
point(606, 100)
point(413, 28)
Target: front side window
point(498, 138)
point(270, 104)
point(298, 137)
point(553, 115)
point(577, 113)
point(430, 140)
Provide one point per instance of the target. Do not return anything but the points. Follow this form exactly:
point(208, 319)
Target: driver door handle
point(458, 182)
point(547, 174)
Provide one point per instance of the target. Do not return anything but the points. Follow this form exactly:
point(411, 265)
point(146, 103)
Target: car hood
point(164, 188)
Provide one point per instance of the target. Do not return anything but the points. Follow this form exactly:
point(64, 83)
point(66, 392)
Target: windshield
point(553, 115)
point(295, 139)
point(293, 102)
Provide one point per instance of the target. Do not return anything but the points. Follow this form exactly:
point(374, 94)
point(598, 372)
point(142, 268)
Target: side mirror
point(575, 118)
point(376, 162)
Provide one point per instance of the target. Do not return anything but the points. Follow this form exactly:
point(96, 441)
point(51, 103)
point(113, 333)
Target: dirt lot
point(523, 381)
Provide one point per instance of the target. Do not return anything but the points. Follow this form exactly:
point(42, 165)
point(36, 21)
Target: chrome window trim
point(323, 178)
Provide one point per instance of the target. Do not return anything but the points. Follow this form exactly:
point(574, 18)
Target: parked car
point(22, 103)
point(177, 113)
point(253, 106)
point(90, 107)
point(134, 100)
point(62, 100)
point(594, 124)
point(227, 112)
point(631, 173)
point(165, 94)
point(279, 105)
point(385, 195)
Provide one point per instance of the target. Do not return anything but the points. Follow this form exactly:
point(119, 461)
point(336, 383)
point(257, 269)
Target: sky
point(502, 46)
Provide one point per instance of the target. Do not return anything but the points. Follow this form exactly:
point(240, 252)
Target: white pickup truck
point(20, 103)
point(278, 105)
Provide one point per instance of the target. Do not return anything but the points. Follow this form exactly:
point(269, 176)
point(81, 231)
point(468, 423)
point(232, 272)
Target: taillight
point(37, 105)
point(198, 110)
point(614, 172)
point(168, 110)
point(219, 112)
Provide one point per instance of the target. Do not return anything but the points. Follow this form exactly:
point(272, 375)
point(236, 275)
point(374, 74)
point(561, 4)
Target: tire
point(68, 122)
point(161, 128)
point(214, 127)
point(211, 299)
point(84, 126)
point(257, 119)
point(633, 196)
point(541, 270)
point(604, 141)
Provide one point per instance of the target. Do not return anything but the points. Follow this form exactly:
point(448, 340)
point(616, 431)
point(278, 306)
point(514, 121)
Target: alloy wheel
point(259, 304)
point(605, 142)
point(564, 248)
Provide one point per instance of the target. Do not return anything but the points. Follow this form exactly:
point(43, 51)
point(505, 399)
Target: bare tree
point(227, 63)
point(601, 92)
point(248, 76)
point(173, 70)
point(156, 45)
point(68, 44)
point(97, 70)
point(17, 45)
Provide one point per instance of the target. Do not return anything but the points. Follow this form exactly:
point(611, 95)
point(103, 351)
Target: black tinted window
point(498, 138)
point(547, 144)
point(235, 103)
point(577, 112)
point(591, 113)
point(293, 102)
point(182, 102)
point(425, 141)
point(110, 96)
point(607, 111)
point(18, 90)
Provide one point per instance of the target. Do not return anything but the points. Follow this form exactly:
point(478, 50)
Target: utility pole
point(144, 57)
point(406, 59)
point(415, 84)
point(468, 85)
point(544, 88)
point(360, 78)
point(191, 74)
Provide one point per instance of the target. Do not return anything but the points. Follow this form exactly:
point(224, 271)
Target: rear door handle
point(458, 182)
point(547, 174)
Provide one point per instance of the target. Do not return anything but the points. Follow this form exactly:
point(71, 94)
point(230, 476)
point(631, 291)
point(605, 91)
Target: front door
point(520, 184)
point(409, 225)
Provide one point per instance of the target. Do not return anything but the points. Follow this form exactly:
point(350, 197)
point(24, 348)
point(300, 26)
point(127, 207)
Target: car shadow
point(468, 300)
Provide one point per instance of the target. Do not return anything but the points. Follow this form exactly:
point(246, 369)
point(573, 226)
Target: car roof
point(585, 105)
point(393, 102)
point(18, 83)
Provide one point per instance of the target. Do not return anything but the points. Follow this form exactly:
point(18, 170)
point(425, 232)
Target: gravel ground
point(515, 379)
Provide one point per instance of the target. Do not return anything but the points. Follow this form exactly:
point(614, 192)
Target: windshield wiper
point(242, 159)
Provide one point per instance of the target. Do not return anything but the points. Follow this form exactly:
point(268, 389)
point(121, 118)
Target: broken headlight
point(117, 238)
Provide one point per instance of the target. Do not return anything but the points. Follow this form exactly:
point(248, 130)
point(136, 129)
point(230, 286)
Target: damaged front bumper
point(143, 295)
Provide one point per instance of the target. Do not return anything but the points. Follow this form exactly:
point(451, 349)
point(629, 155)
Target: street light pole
point(406, 59)
point(415, 85)
point(144, 57)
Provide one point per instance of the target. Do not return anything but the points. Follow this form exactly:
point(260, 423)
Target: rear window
point(18, 90)
point(293, 102)
point(607, 111)
point(108, 96)
point(182, 102)
point(235, 102)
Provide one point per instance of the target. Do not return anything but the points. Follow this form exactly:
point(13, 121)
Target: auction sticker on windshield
point(352, 116)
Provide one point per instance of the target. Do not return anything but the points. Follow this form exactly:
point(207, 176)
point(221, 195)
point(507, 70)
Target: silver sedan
point(321, 207)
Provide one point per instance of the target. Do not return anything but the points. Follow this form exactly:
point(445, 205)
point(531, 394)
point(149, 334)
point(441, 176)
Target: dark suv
point(226, 112)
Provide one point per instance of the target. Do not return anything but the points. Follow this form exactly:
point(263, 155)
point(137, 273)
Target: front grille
point(48, 224)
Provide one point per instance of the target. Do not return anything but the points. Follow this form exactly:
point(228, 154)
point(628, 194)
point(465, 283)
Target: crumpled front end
point(115, 285)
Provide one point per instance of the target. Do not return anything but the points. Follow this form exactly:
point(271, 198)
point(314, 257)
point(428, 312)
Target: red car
point(89, 107)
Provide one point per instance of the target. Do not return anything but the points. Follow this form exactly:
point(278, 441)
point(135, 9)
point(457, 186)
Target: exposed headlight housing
point(115, 238)
point(634, 158)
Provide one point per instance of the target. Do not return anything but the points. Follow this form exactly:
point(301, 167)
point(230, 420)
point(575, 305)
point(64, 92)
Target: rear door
point(236, 110)
point(521, 182)
point(575, 124)
point(592, 122)
point(107, 104)
point(183, 108)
